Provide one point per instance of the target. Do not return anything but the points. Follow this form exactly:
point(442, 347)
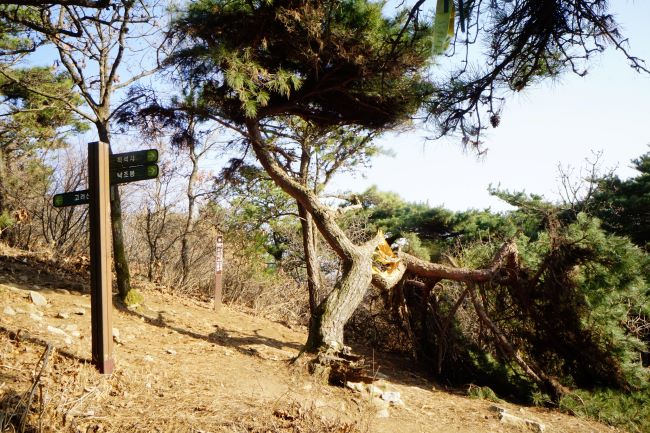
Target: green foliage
point(31, 125)
point(580, 287)
point(432, 230)
point(483, 393)
point(341, 62)
point(42, 116)
point(414, 246)
point(6, 221)
point(576, 306)
point(628, 410)
point(624, 205)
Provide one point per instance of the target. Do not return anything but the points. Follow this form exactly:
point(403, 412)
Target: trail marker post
point(218, 274)
point(105, 171)
point(100, 264)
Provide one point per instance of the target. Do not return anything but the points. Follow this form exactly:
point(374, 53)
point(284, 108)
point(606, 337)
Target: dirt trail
point(181, 367)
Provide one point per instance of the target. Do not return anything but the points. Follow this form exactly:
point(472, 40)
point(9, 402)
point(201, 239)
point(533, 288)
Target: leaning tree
point(354, 62)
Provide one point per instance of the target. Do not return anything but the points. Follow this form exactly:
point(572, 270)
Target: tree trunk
point(311, 258)
point(3, 177)
point(189, 222)
point(122, 274)
point(326, 329)
point(331, 315)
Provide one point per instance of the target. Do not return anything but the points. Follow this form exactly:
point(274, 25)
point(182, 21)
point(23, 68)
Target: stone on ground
point(37, 299)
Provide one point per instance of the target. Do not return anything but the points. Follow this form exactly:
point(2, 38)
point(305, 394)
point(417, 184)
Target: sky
point(555, 122)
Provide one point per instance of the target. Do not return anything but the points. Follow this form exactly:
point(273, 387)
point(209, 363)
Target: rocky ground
point(182, 367)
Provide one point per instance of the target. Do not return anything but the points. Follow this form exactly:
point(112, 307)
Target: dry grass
point(71, 396)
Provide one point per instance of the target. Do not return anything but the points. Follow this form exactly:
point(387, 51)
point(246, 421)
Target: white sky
point(556, 122)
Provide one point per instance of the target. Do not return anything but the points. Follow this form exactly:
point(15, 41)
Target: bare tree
point(107, 43)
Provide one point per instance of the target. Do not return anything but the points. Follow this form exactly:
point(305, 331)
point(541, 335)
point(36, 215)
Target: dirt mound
point(181, 367)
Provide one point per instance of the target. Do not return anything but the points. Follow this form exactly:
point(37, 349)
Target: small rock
point(9, 311)
point(20, 311)
point(148, 358)
point(170, 351)
point(70, 327)
point(35, 317)
point(76, 334)
point(508, 418)
point(116, 336)
point(37, 299)
point(56, 331)
point(62, 315)
point(393, 397)
point(355, 386)
point(374, 390)
point(62, 291)
point(68, 341)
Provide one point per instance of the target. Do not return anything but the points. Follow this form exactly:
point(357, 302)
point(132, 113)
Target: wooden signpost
point(218, 270)
point(104, 171)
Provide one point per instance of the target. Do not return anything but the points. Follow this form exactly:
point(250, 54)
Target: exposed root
point(339, 367)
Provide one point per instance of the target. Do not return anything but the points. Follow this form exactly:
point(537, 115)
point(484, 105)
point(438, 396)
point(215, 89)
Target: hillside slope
point(181, 367)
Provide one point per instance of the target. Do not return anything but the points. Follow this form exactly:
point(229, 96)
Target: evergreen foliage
point(570, 308)
point(31, 124)
point(624, 205)
point(327, 62)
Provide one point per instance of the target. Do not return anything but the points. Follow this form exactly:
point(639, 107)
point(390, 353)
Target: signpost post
point(218, 268)
point(103, 172)
point(100, 265)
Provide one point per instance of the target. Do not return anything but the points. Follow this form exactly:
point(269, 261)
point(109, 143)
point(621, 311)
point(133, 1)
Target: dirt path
point(181, 367)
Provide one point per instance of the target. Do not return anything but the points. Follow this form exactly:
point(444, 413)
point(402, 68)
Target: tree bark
point(331, 315)
point(189, 222)
point(311, 257)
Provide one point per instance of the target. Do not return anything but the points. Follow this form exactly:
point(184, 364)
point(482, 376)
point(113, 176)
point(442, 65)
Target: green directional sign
point(71, 198)
point(132, 159)
point(134, 174)
point(124, 168)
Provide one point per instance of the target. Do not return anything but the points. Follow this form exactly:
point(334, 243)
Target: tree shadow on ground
point(20, 335)
point(27, 271)
point(221, 336)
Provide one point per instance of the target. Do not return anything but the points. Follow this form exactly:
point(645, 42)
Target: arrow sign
point(134, 174)
point(73, 198)
point(132, 159)
point(125, 175)
point(124, 168)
